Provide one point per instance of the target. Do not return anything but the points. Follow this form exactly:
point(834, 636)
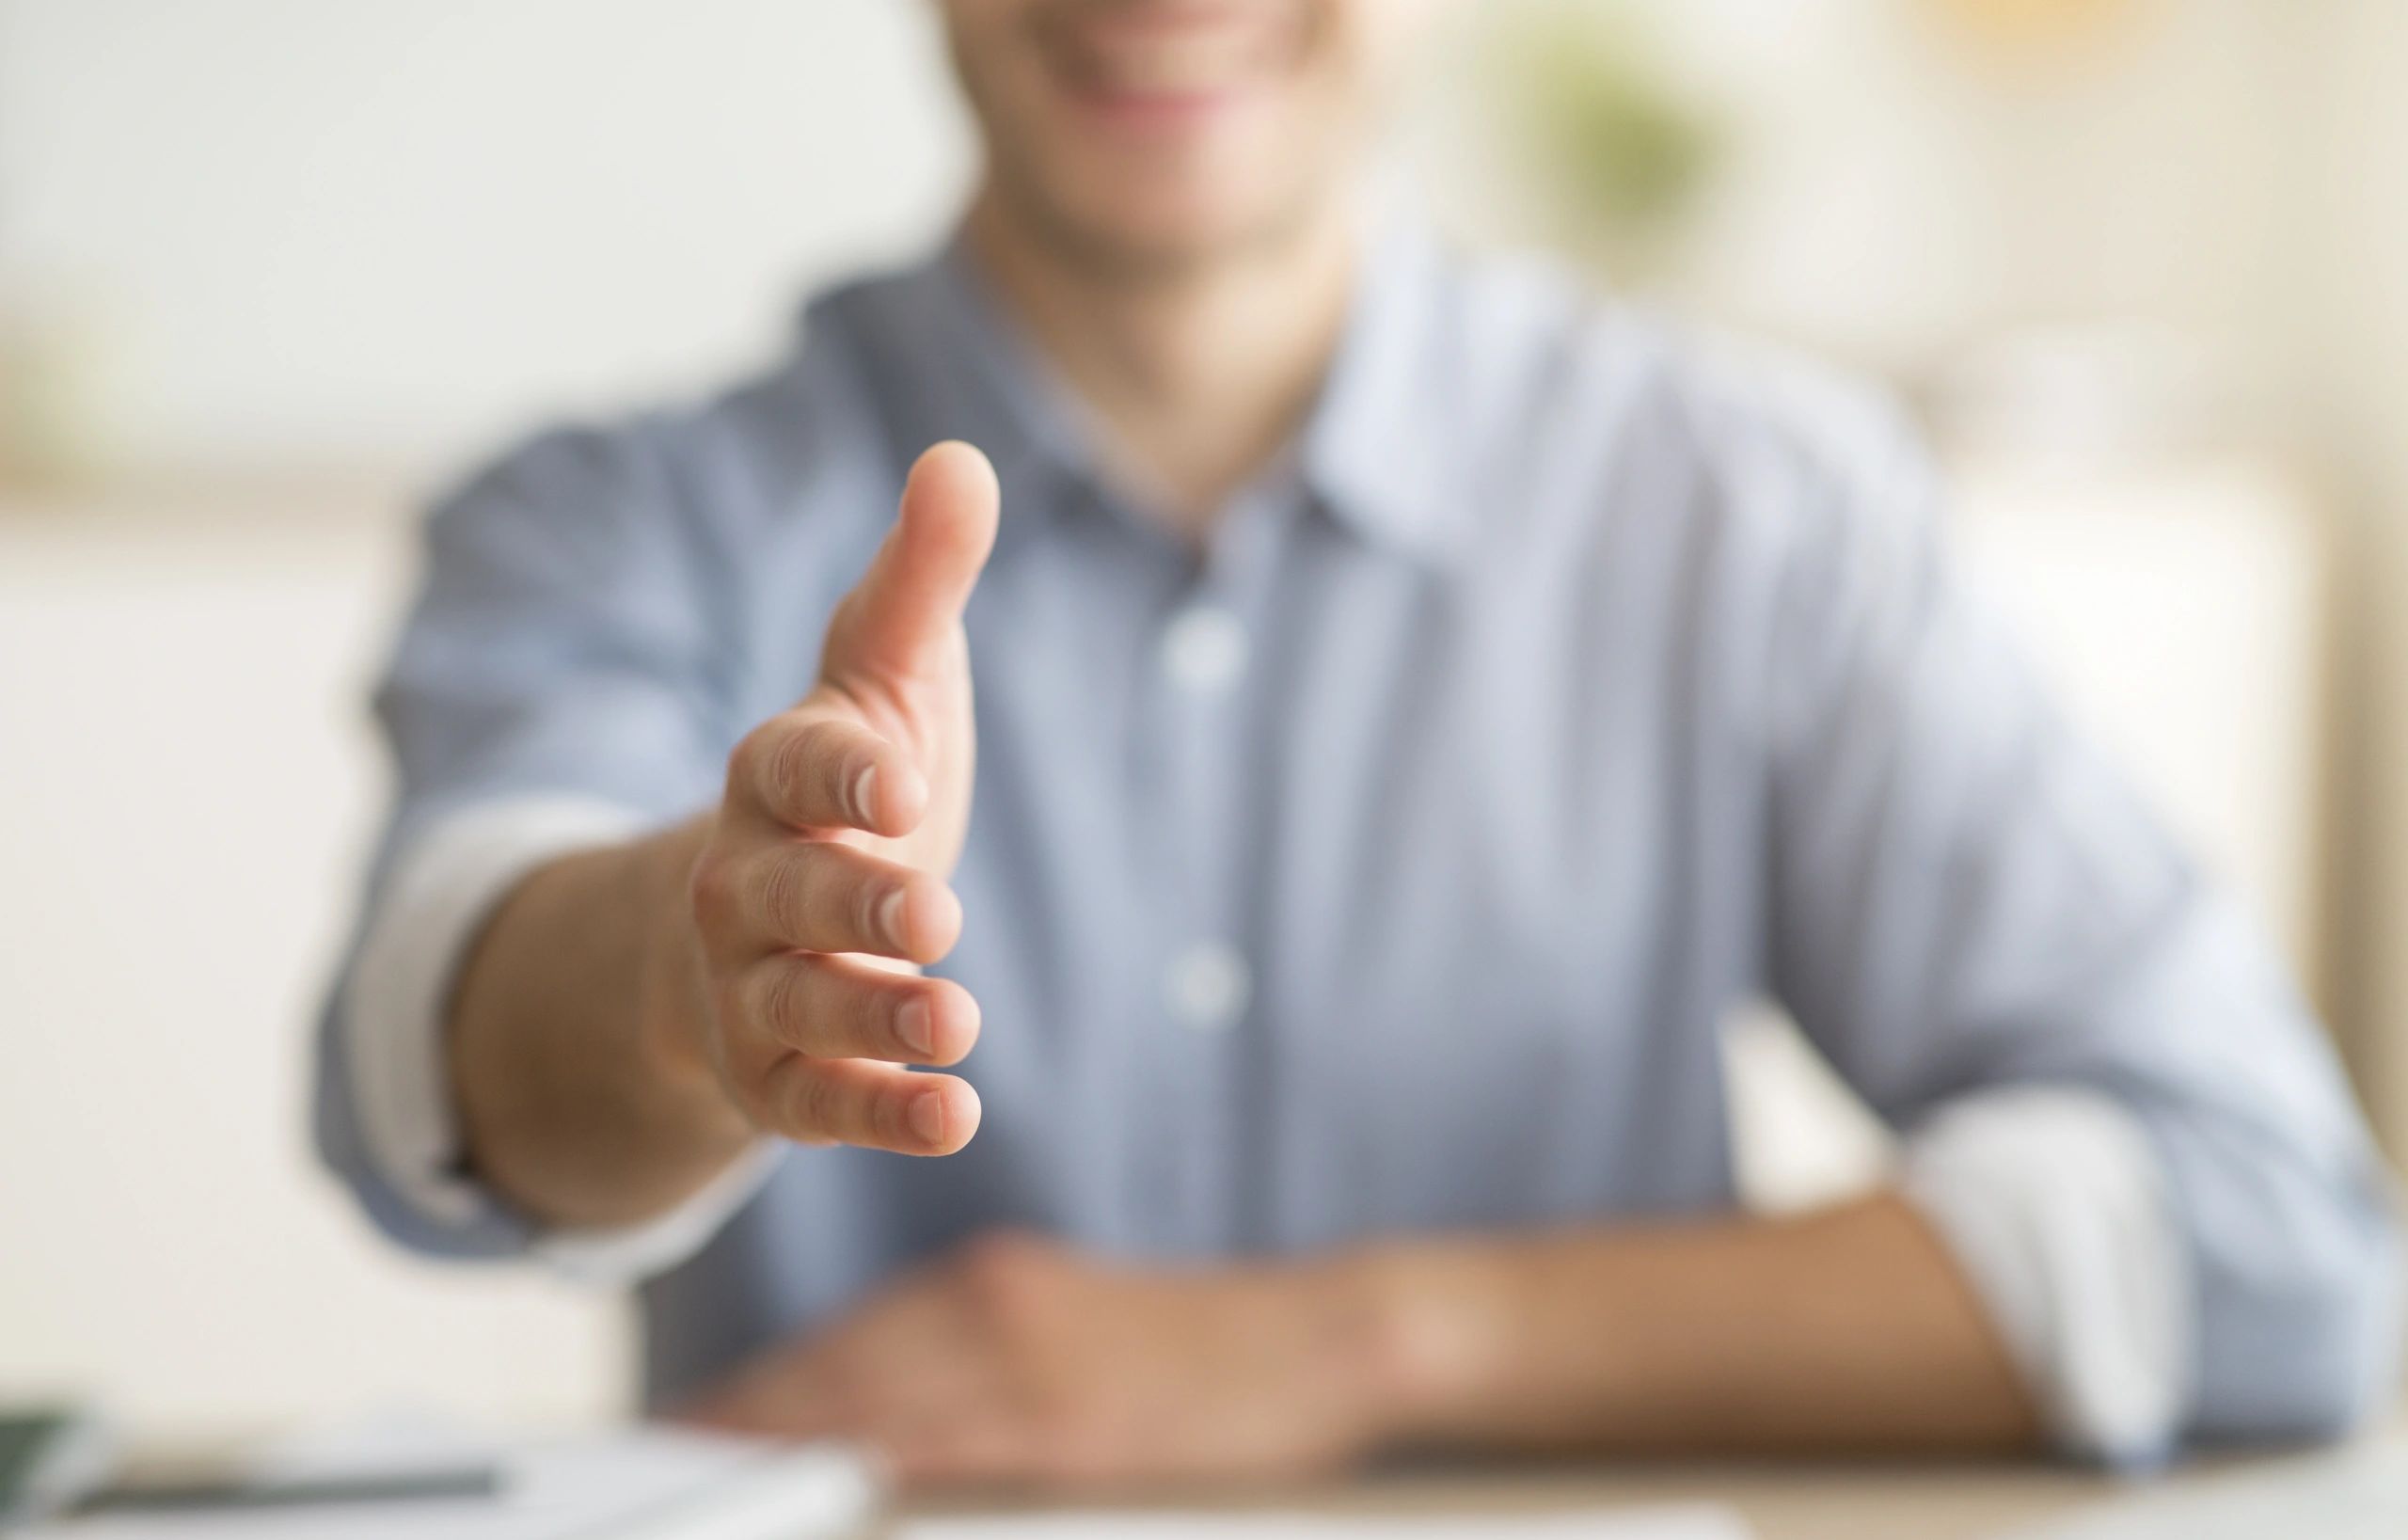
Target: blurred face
point(1154, 131)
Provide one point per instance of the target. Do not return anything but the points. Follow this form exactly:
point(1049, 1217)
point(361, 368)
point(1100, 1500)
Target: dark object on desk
point(49, 1459)
point(216, 1493)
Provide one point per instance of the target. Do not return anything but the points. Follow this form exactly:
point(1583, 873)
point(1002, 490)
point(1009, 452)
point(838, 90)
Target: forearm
point(1849, 1331)
point(579, 1103)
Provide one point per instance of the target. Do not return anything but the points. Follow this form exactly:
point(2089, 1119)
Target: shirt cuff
point(443, 888)
point(2056, 1207)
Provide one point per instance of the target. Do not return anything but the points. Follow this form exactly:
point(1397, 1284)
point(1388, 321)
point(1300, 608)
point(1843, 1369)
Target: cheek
point(1316, 126)
point(995, 59)
point(1388, 26)
point(1376, 45)
point(1340, 79)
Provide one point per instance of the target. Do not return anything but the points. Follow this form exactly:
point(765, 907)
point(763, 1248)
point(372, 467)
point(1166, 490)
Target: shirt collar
point(1373, 454)
point(1382, 448)
point(943, 361)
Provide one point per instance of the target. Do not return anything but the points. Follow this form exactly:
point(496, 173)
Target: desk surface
point(1797, 1503)
point(1803, 1502)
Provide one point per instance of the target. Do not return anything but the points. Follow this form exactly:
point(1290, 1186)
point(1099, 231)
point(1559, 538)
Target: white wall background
point(1895, 189)
point(293, 230)
point(285, 230)
point(182, 815)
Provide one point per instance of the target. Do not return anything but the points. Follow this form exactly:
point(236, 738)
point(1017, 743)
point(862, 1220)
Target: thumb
point(902, 613)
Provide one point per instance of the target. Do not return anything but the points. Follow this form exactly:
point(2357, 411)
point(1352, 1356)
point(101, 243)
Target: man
point(1412, 708)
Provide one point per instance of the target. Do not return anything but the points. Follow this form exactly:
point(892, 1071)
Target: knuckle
point(886, 1117)
point(790, 768)
point(867, 898)
point(856, 1024)
point(811, 1103)
point(783, 884)
point(779, 1000)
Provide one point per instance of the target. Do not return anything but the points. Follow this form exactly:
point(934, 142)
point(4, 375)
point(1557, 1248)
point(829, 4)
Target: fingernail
point(915, 1023)
point(927, 1117)
point(889, 917)
point(864, 787)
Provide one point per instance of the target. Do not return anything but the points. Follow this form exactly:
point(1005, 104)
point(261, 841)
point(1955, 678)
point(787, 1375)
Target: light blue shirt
point(1391, 866)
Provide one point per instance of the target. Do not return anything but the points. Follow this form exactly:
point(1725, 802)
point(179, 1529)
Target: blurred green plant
point(1620, 151)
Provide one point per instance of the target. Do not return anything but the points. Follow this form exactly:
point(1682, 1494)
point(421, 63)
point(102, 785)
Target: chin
point(1160, 131)
point(1160, 214)
point(1176, 234)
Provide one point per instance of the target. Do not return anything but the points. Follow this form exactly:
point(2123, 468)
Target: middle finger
point(823, 895)
point(833, 1007)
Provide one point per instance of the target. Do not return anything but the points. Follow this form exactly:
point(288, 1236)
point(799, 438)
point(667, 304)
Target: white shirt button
point(1205, 648)
point(1208, 986)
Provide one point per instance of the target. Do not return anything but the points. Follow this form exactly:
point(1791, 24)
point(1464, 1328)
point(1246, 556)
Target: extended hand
point(840, 827)
point(1018, 1363)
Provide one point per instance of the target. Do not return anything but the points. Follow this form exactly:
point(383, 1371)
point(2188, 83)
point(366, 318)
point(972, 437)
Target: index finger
point(808, 769)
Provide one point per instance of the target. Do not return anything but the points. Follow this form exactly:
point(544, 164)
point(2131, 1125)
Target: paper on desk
point(645, 1484)
point(1671, 1523)
point(2356, 1492)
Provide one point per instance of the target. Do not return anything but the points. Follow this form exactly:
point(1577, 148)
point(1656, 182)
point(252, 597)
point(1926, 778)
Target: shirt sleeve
point(392, 1024)
point(1965, 898)
point(556, 686)
point(2055, 1206)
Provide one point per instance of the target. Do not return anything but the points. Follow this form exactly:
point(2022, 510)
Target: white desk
point(1825, 1501)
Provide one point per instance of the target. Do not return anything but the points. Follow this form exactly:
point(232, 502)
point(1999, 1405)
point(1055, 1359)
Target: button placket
point(1208, 986)
point(1205, 650)
point(1203, 981)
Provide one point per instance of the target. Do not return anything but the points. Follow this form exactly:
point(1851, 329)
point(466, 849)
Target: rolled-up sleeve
point(1967, 898)
point(555, 686)
point(2056, 1210)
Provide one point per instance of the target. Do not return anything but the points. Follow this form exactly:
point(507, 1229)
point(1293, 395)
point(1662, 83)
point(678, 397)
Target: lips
point(1166, 52)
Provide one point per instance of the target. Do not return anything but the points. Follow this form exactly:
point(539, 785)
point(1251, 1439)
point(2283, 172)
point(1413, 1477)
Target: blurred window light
point(2028, 29)
point(1624, 146)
